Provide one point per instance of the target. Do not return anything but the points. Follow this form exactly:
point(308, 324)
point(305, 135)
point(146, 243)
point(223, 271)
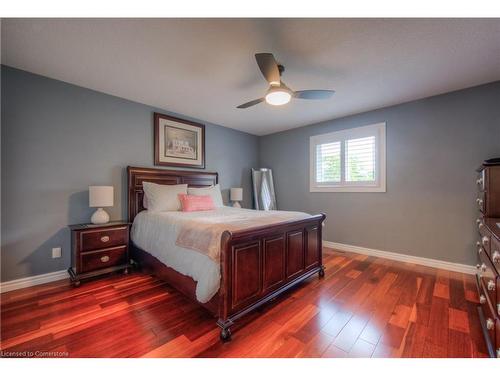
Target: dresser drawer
point(490, 281)
point(492, 326)
point(488, 318)
point(481, 180)
point(103, 238)
point(484, 235)
point(109, 257)
point(497, 333)
point(481, 201)
point(495, 253)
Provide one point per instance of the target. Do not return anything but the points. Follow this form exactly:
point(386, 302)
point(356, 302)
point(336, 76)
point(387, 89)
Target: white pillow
point(163, 197)
point(212, 191)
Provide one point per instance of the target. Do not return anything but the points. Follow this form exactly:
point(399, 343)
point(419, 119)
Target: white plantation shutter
point(360, 159)
point(351, 160)
point(328, 162)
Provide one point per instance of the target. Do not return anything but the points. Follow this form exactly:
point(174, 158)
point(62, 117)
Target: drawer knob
point(482, 299)
point(485, 240)
point(479, 181)
point(483, 267)
point(104, 238)
point(478, 266)
point(491, 285)
point(490, 323)
point(496, 257)
point(105, 259)
point(480, 225)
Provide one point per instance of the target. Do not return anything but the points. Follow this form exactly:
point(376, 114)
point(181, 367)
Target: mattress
point(157, 233)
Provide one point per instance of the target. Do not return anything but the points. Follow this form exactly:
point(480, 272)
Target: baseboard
point(7, 286)
point(457, 267)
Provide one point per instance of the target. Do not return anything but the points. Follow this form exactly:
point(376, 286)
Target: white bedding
point(157, 232)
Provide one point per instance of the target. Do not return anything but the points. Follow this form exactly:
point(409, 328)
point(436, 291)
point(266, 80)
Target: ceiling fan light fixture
point(278, 97)
point(278, 93)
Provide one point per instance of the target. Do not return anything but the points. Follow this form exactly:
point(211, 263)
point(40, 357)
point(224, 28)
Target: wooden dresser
point(488, 250)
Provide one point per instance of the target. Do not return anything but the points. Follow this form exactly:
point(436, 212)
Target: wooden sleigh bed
point(256, 264)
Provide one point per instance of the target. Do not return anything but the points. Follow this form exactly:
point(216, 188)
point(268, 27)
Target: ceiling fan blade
point(313, 94)
point(269, 67)
point(249, 104)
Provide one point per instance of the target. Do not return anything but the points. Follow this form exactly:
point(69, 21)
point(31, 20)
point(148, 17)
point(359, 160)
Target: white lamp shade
point(100, 196)
point(236, 194)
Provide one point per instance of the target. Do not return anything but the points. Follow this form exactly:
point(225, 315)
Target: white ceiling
point(204, 68)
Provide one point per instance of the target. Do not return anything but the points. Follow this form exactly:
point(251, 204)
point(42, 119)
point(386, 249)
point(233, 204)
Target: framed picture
point(179, 143)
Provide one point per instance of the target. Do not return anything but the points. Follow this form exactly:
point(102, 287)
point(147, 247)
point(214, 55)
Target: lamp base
point(100, 217)
point(236, 204)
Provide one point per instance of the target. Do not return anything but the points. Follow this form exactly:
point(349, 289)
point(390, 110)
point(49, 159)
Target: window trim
point(379, 186)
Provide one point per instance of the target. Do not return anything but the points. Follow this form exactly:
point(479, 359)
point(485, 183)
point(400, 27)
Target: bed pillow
point(196, 202)
point(212, 191)
point(162, 197)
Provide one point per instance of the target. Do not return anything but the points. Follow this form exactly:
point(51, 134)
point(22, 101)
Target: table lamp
point(236, 195)
point(100, 196)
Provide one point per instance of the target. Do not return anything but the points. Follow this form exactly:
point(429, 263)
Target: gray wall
point(433, 147)
point(57, 139)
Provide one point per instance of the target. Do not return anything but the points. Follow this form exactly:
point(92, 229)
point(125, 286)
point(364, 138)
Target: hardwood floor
point(364, 307)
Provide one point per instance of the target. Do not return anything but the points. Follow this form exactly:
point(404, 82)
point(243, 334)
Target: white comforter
point(157, 232)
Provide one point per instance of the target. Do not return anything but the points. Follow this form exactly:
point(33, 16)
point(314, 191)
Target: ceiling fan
point(279, 93)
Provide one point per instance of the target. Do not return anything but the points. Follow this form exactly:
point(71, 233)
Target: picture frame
point(178, 142)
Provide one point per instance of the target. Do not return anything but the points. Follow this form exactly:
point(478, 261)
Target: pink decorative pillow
point(196, 202)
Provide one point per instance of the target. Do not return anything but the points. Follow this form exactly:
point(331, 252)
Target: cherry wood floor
point(364, 307)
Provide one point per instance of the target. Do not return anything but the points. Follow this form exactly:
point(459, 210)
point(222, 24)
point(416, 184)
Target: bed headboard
point(136, 175)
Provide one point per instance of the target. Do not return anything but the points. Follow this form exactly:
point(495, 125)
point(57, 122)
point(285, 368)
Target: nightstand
point(98, 249)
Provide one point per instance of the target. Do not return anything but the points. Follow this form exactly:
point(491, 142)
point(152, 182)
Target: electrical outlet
point(56, 252)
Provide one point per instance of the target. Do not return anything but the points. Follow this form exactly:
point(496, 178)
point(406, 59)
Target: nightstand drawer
point(103, 238)
point(94, 260)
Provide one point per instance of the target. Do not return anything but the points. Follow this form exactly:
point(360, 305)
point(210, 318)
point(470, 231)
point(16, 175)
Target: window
point(351, 160)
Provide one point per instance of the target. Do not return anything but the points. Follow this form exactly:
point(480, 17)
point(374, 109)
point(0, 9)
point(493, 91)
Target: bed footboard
point(260, 263)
